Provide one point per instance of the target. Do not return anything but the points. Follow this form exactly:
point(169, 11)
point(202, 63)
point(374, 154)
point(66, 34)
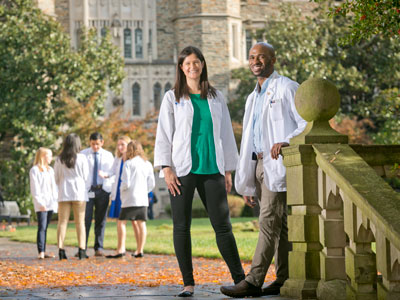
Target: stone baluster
point(387, 260)
point(360, 259)
point(333, 239)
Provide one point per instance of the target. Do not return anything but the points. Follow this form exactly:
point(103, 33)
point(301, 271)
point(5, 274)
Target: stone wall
point(165, 10)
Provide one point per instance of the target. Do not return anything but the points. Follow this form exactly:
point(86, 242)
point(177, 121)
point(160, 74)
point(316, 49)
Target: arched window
point(78, 38)
point(136, 99)
point(127, 43)
point(138, 43)
point(103, 32)
point(157, 95)
point(167, 87)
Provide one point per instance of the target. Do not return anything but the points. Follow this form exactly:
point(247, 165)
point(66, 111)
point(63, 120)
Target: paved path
point(22, 276)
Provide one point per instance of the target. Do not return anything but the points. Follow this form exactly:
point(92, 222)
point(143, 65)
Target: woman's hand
point(172, 181)
point(228, 181)
point(103, 174)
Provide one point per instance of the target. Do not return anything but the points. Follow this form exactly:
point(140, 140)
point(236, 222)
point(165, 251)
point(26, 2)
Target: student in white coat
point(44, 194)
point(71, 172)
point(98, 159)
point(116, 174)
point(196, 149)
point(136, 182)
point(270, 121)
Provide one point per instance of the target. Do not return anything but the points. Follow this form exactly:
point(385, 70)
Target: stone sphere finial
point(317, 99)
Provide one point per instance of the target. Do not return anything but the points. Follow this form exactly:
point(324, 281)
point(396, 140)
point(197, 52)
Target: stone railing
point(340, 208)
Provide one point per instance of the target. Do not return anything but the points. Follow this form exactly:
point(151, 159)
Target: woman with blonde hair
point(72, 177)
point(136, 182)
point(44, 194)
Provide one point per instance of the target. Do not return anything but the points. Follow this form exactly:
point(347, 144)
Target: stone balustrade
point(340, 209)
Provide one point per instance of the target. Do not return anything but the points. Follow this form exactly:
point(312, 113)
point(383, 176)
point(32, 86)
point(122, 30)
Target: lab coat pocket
point(177, 152)
point(276, 112)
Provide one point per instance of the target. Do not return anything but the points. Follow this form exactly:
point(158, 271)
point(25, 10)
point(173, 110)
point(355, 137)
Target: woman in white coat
point(115, 207)
point(136, 182)
point(72, 177)
point(44, 194)
point(196, 149)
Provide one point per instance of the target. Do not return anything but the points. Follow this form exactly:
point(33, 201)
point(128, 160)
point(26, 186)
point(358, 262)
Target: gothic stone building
point(150, 34)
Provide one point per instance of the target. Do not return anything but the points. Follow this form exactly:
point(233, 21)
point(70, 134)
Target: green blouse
point(204, 160)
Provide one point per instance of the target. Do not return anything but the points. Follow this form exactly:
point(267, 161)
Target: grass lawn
point(159, 237)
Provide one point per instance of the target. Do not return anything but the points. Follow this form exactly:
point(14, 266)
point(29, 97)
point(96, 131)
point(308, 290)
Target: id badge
point(91, 194)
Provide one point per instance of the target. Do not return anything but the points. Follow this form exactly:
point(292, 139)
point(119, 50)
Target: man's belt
point(257, 156)
point(96, 187)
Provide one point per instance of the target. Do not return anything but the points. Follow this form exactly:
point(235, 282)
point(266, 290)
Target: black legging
point(211, 189)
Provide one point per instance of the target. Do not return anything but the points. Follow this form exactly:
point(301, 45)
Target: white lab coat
point(43, 189)
point(282, 122)
point(105, 162)
point(137, 181)
point(73, 183)
point(114, 176)
point(174, 130)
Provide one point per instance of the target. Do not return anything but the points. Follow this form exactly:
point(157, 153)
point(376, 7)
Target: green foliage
point(38, 67)
point(308, 47)
point(385, 110)
point(368, 18)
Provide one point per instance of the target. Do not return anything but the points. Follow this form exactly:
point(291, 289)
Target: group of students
point(195, 148)
point(83, 181)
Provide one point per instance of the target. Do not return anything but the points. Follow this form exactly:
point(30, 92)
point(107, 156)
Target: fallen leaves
point(149, 271)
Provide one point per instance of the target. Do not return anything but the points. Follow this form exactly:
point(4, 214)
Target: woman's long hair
point(70, 149)
point(134, 149)
point(181, 88)
point(40, 159)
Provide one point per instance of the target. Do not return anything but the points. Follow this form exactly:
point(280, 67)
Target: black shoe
point(76, 254)
point(272, 289)
point(61, 254)
point(240, 290)
point(185, 294)
point(140, 255)
point(119, 255)
point(82, 253)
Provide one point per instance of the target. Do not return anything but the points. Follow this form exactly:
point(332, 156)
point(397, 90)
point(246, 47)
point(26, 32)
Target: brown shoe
point(273, 289)
point(98, 253)
point(242, 289)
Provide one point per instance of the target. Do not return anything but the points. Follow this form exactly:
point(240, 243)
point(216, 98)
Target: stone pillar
point(317, 101)
point(302, 197)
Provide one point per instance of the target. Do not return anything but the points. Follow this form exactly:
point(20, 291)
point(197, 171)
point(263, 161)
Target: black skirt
point(133, 213)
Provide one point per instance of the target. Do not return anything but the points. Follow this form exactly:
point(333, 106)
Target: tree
point(308, 47)
point(368, 18)
point(37, 66)
point(111, 126)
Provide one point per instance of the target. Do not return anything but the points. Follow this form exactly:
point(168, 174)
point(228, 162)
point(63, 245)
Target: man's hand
point(249, 201)
point(276, 149)
point(228, 181)
point(172, 181)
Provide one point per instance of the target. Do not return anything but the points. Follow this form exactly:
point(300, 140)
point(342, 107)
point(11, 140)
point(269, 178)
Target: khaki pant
point(64, 210)
point(273, 236)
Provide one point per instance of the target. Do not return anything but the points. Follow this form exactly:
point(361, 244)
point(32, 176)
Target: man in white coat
point(99, 193)
point(270, 121)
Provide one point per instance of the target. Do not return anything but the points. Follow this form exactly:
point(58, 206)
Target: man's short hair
point(96, 136)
